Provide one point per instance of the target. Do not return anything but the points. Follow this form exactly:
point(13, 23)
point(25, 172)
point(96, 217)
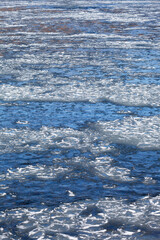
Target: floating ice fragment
point(70, 193)
point(22, 122)
point(142, 132)
point(149, 180)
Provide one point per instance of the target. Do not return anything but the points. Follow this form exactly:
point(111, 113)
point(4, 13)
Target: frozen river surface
point(79, 120)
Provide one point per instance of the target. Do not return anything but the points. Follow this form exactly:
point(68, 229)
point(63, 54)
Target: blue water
point(79, 120)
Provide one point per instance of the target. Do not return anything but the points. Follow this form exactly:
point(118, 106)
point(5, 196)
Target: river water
point(80, 119)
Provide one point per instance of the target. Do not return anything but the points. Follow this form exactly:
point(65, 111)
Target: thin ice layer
point(99, 167)
point(128, 95)
point(103, 219)
point(20, 140)
point(142, 132)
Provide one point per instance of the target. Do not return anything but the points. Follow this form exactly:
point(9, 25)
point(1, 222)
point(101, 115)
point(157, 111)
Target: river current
point(80, 120)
